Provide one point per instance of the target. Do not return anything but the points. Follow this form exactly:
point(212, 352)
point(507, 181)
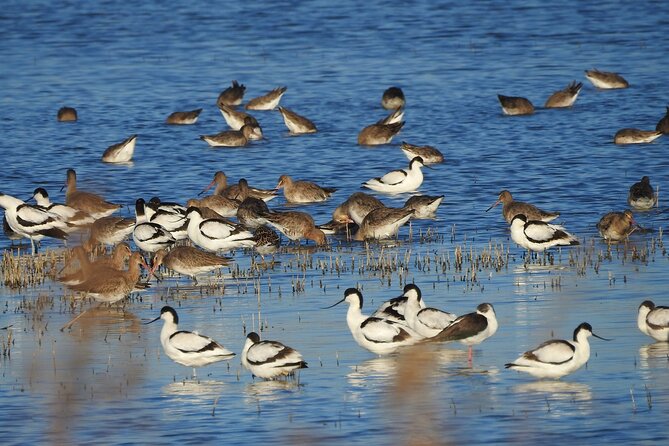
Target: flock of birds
point(189, 238)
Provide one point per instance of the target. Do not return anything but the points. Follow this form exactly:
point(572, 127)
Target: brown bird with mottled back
point(636, 136)
point(188, 261)
point(232, 95)
point(296, 226)
point(377, 134)
point(606, 80)
point(297, 124)
point(232, 191)
point(268, 101)
point(231, 138)
point(303, 191)
point(641, 195)
point(393, 98)
point(511, 208)
point(616, 226)
point(183, 117)
point(515, 105)
point(92, 204)
point(113, 285)
point(564, 98)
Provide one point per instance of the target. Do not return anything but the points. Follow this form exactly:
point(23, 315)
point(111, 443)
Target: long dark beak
point(151, 322)
point(603, 339)
point(334, 305)
point(207, 188)
point(63, 187)
point(493, 205)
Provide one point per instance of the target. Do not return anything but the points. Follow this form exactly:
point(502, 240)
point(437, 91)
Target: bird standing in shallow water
point(303, 191)
point(270, 359)
point(188, 261)
point(380, 336)
point(92, 204)
point(297, 124)
point(186, 347)
point(183, 117)
point(515, 105)
point(471, 329)
point(557, 357)
point(564, 98)
point(425, 321)
point(232, 95)
point(511, 208)
point(616, 226)
point(653, 321)
point(538, 235)
point(641, 195)
point(606, 80)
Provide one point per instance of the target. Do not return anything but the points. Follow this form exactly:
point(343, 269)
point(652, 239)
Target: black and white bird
point(471, 329)
point(73, 216)
point(270, 359)
point(557, 357)
point(653, 321)
point(425, 321)
point(398, 181)
point(186, 347)
point(538, 235)
point(148, 236)
point(32, 222)
point(380, 336)
point(394, 309)
point(214, 234)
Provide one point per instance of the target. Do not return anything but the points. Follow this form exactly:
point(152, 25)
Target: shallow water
point(126, 67)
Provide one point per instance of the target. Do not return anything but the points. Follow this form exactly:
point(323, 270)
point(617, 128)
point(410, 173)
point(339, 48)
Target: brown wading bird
point(394, 117)
point(512, 208)
point(121, 152)
point(112, 285)
point(183, 117)
point(252, 212)
point(188, 261)
point(606, 80)
point(514, 105)
point(377, 134)
point(303, 191)
point(221, 182)
point(116, 261)
point(296, 226)
point(641, 195)
point(232, 138)
point(393, 98)
point(616, 226)
point(383, 223)
point(355, 208)
point(424, 206)
point(236, 119)
point(429, 154)
point(564, 98)
point(232, 95)
point(92, 204)
point(297, 124)
point(67, 114)
point(267, 102)
point(636, 136)
point(109, 231)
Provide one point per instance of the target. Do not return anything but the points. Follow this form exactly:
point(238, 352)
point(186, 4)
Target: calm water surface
point(125, 67)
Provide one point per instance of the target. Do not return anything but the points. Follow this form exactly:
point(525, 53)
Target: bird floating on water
point(565, 97)
point(429, 154)
point(269, 101)
point(641, 195)
point(515, 105)
point(636, 136)
point(121, 152)
point(183, 117)
point(393, 98)
point(297, 124)
point(606, 80)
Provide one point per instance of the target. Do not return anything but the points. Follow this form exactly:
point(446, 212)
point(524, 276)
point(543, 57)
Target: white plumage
point(215, 234)
point(31, 222)
point(653, 321)
point(270, 359)
point(394, 309)
point(425, 321)
point(557, 357)
point(398, 181)
point(188, 348)
point(148, 236)
point(538, 235)
point(380, 336)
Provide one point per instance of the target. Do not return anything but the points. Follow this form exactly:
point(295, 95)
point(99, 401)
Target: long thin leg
point(470, 355)
point(71, 323)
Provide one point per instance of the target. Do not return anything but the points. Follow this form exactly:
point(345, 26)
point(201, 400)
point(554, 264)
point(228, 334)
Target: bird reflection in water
point(654, 356)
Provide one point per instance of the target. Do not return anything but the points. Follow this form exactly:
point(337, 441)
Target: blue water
point(125, 67)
